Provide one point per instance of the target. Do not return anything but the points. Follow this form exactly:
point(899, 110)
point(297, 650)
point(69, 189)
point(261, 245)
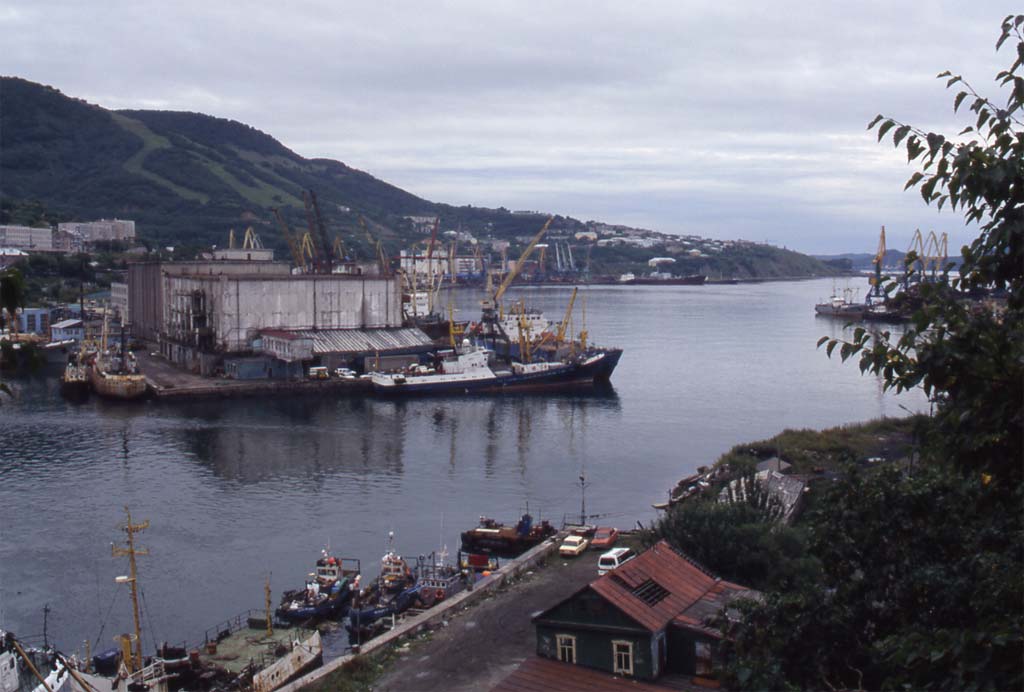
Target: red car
point(605, 537)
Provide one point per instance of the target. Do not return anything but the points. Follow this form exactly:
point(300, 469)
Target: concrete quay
point(433, 618)
point(166, 381)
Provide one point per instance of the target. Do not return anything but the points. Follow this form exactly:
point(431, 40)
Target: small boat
point(326, 595)
point(493, 538)
point(74, 381)
point(841, 306)
point(393, 592)
point(437, 578)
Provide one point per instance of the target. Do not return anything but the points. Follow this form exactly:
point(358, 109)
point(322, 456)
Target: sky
point(746, 120)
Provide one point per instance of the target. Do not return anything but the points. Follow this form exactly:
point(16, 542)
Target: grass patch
point(151, 142)
point(809, 450)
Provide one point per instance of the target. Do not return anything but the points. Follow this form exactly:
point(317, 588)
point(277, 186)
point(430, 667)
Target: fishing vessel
point(326, 595)
point(74, 381)
point(114, 372)
point(503, 540)
point(841, 306)
point(26, 668)
point(475, 368)
point(393, 592)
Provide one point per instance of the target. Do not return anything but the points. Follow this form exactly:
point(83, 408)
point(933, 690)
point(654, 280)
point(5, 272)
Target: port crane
point(877, 294)
point(294, 246)
point(488, 319)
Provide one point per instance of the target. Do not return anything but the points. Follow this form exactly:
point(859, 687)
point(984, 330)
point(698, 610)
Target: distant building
point(67, 329)
point(26, 238)
point(200, 312)
point(119, 300)
point(34, 321)
point(10, 255)
point(585, 235)
point(249, 254)
point(67, 241)
point(102, 230)
point(656, 261)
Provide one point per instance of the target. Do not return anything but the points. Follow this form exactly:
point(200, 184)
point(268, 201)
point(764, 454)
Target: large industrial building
point(203, 314)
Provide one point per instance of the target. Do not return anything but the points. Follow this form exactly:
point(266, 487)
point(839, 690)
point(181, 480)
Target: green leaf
point(875, 120)
point(900, 133)
point(914, 180)
point(958, 100)
point(831, 347)
point(822, 340)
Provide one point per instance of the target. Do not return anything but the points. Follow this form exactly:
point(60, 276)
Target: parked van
point(319, 373)
point(612, 559)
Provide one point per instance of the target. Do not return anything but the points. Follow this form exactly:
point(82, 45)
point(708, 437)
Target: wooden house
point(645, 619)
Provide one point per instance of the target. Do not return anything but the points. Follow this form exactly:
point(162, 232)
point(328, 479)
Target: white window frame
point(567, 641)
point(628, 653)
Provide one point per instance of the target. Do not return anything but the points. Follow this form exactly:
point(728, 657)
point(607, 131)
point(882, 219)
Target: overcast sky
point(742, 121)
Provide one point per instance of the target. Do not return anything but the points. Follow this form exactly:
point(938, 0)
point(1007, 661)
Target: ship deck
point(243, 644)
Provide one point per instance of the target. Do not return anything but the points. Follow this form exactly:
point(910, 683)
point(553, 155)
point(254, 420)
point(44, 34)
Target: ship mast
point(131, 551)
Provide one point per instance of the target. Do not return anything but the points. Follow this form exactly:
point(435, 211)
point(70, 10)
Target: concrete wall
point(240, 306)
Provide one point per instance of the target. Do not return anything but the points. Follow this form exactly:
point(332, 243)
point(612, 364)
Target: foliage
point(921, 587)
point(12, 296)
point(968, 357)
point(923, 577)
point(739, 541)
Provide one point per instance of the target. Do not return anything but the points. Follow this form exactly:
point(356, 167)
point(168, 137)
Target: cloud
point(746, 120)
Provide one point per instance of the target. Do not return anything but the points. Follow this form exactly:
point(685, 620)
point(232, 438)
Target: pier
point(167, 381)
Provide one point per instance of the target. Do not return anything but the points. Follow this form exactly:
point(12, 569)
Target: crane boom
point(568, 314)
point(519, 263)
point(293, 246)
point(325, 246)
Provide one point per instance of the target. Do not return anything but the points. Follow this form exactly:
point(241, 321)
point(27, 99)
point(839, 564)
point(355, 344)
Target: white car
point(573, 546)
point(612, 559)
point(345, 373)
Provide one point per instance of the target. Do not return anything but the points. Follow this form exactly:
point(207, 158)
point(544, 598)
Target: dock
point(167, 381)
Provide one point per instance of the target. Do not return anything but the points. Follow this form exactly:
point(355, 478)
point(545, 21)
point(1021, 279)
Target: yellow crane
point(510, 277)
point(289, 238)
point(560, 336)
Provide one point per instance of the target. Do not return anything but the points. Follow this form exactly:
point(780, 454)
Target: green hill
point(186, 178)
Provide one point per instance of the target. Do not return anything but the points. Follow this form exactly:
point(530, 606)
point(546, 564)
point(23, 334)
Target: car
point(318, 373)
point(605, 537)
point(344, 373)
point(612, 559)
point(573, 546)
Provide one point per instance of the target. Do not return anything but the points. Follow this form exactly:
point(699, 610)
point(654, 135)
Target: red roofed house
point(644, 619)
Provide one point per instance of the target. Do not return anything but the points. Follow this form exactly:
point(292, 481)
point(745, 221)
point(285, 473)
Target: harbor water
point(240, 491)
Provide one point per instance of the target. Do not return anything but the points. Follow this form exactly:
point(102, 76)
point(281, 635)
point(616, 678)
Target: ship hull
point(595, 368)
point(112, 386)
point(692, 280)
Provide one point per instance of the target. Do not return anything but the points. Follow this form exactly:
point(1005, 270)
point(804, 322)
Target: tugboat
point(493, 538)
point(391, 593)
point(326, 595)
point(841, 306)
point(74, 381)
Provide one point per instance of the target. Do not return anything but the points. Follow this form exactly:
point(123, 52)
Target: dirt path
point(483, 644)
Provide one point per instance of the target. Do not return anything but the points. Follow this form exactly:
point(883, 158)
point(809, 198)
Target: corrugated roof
point(365, 340)
point(693, 594)
point(541, 674)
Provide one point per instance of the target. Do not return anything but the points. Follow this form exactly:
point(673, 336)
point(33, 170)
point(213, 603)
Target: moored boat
point(326, 595)
point(502, 540)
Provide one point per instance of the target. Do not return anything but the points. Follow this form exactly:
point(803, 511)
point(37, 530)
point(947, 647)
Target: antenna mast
point(131, 551)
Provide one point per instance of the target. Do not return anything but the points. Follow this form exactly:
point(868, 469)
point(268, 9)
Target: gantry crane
point(488, 318)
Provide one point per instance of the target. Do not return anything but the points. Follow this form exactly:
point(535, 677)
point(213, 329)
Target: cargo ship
point(663, 279)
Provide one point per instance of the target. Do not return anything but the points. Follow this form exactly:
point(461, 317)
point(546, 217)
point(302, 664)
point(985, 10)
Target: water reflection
point(308, 438)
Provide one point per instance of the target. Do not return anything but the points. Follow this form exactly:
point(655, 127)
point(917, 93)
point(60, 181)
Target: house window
point(566, 648)
point(704, 663)
point(622, 652)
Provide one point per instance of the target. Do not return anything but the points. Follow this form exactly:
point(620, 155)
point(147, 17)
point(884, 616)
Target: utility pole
point(583, 499)
point(132, 580)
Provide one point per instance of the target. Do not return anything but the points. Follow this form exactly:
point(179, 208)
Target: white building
point(67, 329)
point(102, 230)
point(119, 300)
point(26, 238)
